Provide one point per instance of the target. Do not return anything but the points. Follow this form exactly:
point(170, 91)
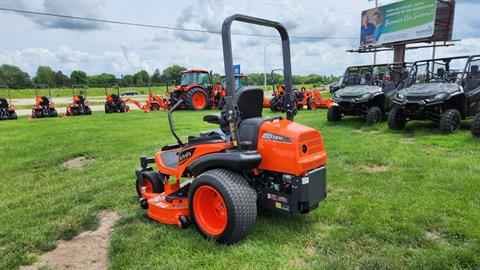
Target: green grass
point(423, 212)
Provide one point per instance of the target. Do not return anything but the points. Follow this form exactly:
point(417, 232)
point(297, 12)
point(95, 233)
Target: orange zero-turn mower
point(79, 105)
point(7, 109)
point(114, 102)
point(44, 107)
point(250, 161)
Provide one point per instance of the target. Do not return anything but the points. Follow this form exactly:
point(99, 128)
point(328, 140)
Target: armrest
point(212, 118)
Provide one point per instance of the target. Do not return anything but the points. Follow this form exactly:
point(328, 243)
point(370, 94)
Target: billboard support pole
point(399, 53)
point(375, 53)
point(433, 55)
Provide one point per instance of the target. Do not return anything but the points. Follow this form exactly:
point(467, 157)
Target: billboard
point(401, 21)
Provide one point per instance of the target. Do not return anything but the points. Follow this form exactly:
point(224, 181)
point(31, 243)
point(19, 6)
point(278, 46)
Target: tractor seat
point(170, 158)
point(115, 98)
point(3, 103)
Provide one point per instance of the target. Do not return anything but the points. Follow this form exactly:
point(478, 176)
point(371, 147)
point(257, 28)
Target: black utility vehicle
point(476, 126)
point(444, 90)
point(368, 91)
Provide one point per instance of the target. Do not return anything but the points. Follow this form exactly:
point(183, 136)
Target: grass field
point(407, 200)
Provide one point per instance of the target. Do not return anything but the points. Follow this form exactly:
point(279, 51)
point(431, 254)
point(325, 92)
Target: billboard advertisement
point(400, 21)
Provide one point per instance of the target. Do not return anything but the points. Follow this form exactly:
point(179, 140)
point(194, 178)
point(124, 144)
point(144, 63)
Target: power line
point(160, 26)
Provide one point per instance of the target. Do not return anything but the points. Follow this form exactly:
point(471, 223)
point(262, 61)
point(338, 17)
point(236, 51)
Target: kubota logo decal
point(185, 155)
point(275, 137)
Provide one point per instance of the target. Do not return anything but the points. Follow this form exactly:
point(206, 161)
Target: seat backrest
point(45, 101)
point(440, 72)
point(3, 103)
point(474, 71)
point(249, 101)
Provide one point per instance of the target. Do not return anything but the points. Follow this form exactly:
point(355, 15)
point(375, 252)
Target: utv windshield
point(364, 75)
point(437, 71)
point(195, 78)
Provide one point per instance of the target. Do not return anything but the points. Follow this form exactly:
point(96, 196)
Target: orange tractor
point(44, 107)
point(195, 89)
point(7, 109)
point(79, 105)
point(154, 102)
point(249, 162)
point(313, 99)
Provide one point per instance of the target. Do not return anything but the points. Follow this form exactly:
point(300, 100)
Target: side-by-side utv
point(114, 102)
point(7, 109)
point(79, 105)
point(216, 180)
point(368, 91)
point(44, 107)
point(444, 90)
point(476, 126)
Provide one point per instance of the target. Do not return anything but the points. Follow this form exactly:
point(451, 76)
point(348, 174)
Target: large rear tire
point(223, 206)
point(13, 116)
point(450, 121)
point(108, 108)
point(312, 105)
point(334, 114)
point(374, 115)
point(476, 126)
point(396, 118)
point(197, 99)
point(152, 181)
point(276, 104)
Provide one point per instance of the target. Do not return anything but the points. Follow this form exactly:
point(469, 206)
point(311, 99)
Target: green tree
point(14, 77)
point(61, 79)
point(45, 75)
point(141, 78)
point(173, 73)
point(78, 77)
point(127, 80)
point(101, 79)
point(157, 77)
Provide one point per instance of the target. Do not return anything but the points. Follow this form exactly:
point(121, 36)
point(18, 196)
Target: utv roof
point(196, 71)
point(381, 65)
point(446, 58)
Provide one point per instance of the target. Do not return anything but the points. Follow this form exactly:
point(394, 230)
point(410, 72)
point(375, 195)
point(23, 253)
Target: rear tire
point(53, 113)
point(154, 107)
point(197, 99)
point(276, 105)
point(450, 121)
point(312, 105)
point(88, 111)
point(122, 108)
point(13, 116)
point(152, 181)
point(396, 118)
point(374, 116)
point(334, 114)
point(476, 126)
point(223, 206)
point(108, 108)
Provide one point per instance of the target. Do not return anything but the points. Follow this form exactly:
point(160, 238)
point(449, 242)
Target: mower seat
point(115, 98)
point(79, 99)
point(249, 101)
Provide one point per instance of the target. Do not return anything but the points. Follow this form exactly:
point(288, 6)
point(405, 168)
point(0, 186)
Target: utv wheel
point(223, 206)
point(197, 99)
point(450, 121)
point(334, 114)
point(152, 181)
point(476, 126)
point(396, 118)
point(373, 116)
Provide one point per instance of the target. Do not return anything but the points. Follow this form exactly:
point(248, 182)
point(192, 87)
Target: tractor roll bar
point(228, 61)
point(80, 85)
point(271, 77)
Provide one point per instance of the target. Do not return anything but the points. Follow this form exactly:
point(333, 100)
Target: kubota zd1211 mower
point(250, 161)
point(7, 109)
point(114, 103)
point(44, 107)
point(79, 105)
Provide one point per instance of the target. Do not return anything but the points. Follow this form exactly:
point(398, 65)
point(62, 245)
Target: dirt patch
point(432, 235)
point(77, 162)
point(375, 169)
point(310, 249)
point(358, 130)
point(88, 250)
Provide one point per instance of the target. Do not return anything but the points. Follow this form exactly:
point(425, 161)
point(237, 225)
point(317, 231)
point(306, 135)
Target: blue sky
point(30, 41)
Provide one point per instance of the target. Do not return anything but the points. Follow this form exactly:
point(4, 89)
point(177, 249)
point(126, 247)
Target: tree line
point(15, 78)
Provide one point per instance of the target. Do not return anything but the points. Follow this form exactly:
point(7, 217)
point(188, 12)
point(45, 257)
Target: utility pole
point(265, 66)
point(375, 53)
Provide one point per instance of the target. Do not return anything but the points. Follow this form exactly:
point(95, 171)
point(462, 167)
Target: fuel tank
point(289, 147)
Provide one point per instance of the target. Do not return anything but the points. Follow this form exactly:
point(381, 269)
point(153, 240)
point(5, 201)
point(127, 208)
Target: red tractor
point(195, 89)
